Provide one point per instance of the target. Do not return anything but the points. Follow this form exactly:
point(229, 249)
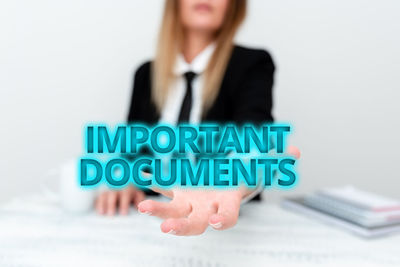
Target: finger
point(138, 197)
point(228, 213)
point(194, 225)
point(172, 225)
point(111, 202)
point(172, 209)
point(100, 203)
point(294, 151)
point(125, 198)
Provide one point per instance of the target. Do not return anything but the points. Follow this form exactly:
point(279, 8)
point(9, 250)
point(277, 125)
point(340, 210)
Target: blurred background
point(66, 63)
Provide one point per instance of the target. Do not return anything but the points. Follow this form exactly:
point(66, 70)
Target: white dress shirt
point(177, 90)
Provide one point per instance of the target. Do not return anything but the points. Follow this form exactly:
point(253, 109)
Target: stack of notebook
point(361, 212)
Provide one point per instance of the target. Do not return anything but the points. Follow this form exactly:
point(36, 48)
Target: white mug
point(74, 198)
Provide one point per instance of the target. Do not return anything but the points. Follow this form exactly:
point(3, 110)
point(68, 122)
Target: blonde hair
point(169, 45)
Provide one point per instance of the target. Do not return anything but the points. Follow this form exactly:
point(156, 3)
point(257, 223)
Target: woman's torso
point(245, 94)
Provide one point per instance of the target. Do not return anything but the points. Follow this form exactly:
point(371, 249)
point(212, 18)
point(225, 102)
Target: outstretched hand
point(191, 211)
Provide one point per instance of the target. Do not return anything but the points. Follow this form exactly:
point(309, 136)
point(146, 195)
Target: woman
point(198, 75)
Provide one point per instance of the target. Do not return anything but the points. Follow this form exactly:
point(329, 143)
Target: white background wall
point(64, 63)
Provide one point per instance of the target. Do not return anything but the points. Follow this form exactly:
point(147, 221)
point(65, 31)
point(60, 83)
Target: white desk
point(35, 232)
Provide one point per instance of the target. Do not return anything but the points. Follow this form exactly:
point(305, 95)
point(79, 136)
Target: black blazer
point(245, 94)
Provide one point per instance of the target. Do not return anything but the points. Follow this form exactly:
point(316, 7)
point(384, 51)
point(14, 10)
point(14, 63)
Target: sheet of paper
point(35, 232)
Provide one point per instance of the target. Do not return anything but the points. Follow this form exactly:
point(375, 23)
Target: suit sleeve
point(140, 83)
point(139, 107)
point(253, 98)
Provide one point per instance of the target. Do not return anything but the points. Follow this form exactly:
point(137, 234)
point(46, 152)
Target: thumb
point(293, 151)
point(167, 193)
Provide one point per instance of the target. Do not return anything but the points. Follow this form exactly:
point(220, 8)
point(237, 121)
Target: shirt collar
point(199, 63)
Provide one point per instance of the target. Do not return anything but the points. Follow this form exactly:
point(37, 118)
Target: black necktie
point(184, 115)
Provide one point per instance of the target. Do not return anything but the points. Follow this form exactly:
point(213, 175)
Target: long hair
point(169, 45)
